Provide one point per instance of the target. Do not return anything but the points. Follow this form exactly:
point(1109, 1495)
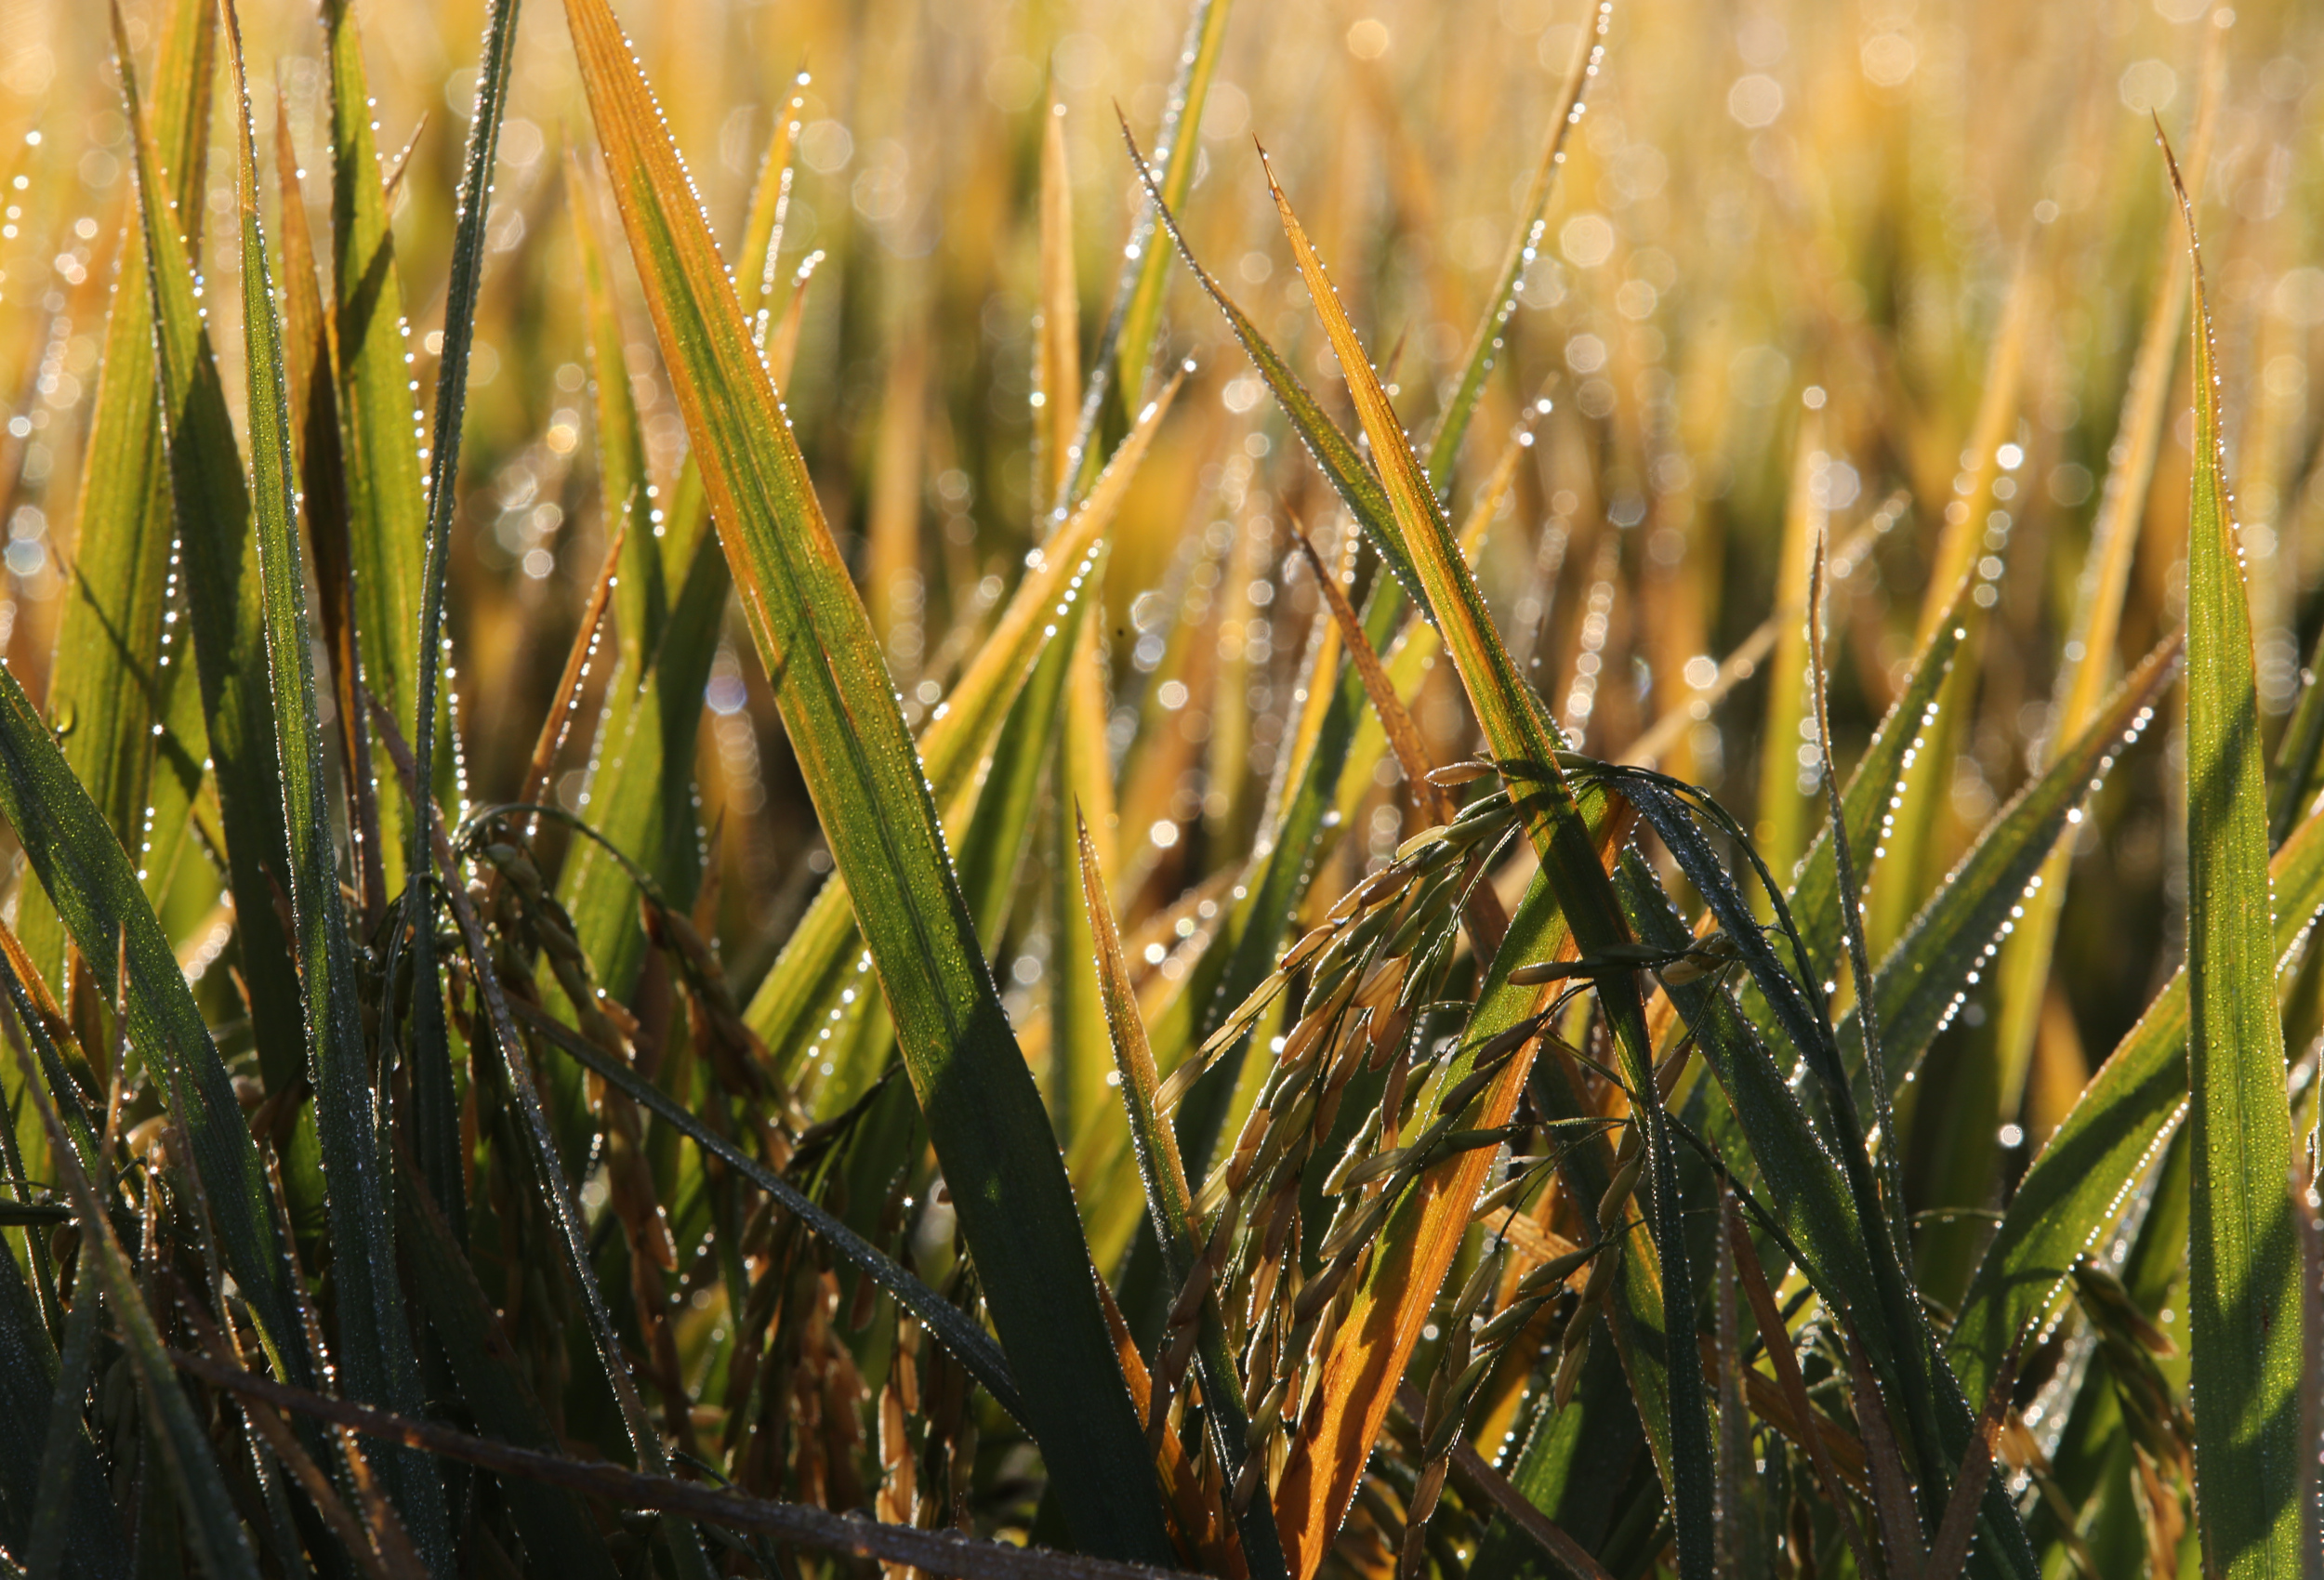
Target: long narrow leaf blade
point(2244, 1296)
point(113, 674)
point(982, 1111)
point(805, 978)
point(2079, 1186)
point(1519, 734)
point(1924, 980)
point(212, 503)
point(378, 411)
point(375, 1348)
point(1170, 1203)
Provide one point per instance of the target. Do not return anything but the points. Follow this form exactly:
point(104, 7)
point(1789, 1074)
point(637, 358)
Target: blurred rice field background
point(1878, 268)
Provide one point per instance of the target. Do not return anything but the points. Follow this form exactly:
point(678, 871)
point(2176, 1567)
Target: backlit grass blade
point(2244, 1296)
point(1352, 477)
point(983, 1112)
point(1519, 734)
point(805, 978)
point(312, 376)
point(640, 784)
point(1408, 660)
point(638, 793)
point(1814, 897)
point(113, 670)
point(433, 1103)
point(378, 408)
point(1170, 1203)
point(2081, 1183)
point(1144, 261)
point(451, 370)
point(212, 503)
point(1801, 1180)
point(1781, 811)
point(761, 249)
point(1925, 978)
point(1525, 247)
point(375, 1352)
point(640, 602)
point(1084, 775)
point(181, 1445)
point(1845, 873)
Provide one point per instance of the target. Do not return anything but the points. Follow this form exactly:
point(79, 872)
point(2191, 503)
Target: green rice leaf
point(378, 408)
point(1924, 980)
point(639, 789)
point(982, 1111)
point(2252, 1470)
point(1143, 260)
point(113, 673)
point(1814, 897)
point(640, 602)
point(213, 508)
point(791, 1002)
point(433, 1101)
point(375, 1353)
point(1352, 477)
point(2080, 1185)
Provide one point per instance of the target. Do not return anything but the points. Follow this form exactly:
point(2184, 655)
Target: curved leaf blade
point(1520, 735)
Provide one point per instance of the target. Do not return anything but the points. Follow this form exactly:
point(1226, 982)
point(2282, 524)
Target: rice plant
point(1440, 793)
